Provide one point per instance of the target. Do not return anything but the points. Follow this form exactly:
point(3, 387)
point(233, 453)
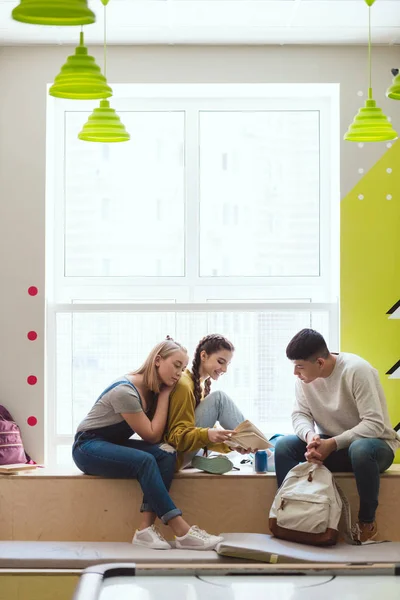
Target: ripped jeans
point(152, 466)
point(217, 406)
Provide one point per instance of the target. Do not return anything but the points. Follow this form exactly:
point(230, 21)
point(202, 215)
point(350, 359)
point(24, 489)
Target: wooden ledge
point(66, 505)
point(245, 471)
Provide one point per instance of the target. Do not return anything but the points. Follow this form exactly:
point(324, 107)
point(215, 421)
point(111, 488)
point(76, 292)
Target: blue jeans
point(132, 459)
point(217, 406)
point(366, 458)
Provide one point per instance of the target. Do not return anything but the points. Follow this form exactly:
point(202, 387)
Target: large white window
point(220, 215)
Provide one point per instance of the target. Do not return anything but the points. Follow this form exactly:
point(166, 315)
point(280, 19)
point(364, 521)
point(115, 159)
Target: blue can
point(261, 461)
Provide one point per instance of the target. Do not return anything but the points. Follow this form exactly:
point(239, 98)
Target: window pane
point(63, 389)
point(124, 203)
point(259, 379)
point(64, 455)
point(259, 193)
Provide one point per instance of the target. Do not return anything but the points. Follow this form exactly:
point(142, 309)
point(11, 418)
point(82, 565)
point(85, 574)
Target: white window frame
point(192, 292)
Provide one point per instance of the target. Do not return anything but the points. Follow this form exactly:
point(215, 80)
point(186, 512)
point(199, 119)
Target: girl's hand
point(245, 450)
point(216, 436)
point(165, 392)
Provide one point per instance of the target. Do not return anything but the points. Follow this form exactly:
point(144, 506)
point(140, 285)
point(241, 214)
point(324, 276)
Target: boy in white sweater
point(341, 420)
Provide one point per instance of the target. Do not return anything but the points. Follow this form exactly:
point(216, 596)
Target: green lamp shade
point(394, 90)
point(80, 78)
point(104, 125)
point(370, 125)
point(54, 12)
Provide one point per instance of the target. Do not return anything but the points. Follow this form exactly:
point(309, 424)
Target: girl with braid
point(194, 410)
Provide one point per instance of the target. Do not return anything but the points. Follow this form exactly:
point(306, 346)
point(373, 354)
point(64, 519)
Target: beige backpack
point(308, 506)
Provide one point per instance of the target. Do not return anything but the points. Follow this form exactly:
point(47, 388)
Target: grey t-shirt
point(121, 398)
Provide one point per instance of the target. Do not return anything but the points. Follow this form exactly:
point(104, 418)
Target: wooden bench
point(69, 506)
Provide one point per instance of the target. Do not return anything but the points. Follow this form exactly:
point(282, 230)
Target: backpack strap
point(117, 383)
point(349, 530)
point(346, 512)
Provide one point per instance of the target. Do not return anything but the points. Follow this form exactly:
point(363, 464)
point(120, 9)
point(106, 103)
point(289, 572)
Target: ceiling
point(219, 22)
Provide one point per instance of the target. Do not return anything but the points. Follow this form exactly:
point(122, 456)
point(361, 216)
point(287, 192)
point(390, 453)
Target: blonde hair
point(149, 369)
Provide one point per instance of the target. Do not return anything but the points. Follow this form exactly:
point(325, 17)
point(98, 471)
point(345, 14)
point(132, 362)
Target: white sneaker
point(197, 539)
point(150, 538)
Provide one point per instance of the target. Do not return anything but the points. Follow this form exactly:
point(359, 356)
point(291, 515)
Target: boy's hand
point(313, 437)
point(319, 450)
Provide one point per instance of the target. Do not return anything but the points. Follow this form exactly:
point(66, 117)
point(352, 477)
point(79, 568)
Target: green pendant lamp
point(80, 78)
point(370, 124)
point(394, 90)
point(54, 12)
point(104, 125)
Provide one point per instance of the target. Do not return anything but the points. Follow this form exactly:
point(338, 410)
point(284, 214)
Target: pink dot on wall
point(32, 379)
point(31, 335)
point(32, 291)
point(32, 421)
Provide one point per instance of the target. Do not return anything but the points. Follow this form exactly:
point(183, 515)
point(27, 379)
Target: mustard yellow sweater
point(181, 431)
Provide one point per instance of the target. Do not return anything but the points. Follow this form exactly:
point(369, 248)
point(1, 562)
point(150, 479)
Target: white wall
point(24, 74)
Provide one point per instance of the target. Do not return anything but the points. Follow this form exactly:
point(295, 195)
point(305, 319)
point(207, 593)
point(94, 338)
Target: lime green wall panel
point(37, 586)
point(370, 273)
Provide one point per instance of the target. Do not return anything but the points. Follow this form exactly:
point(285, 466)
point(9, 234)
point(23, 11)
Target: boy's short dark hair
point(308, 344)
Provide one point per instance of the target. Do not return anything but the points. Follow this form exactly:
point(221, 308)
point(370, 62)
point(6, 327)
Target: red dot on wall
point(32, 336)
point(32, 421)
point(32, 291)
point(32, 379)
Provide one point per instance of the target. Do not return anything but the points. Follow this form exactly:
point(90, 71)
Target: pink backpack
point(11, 446)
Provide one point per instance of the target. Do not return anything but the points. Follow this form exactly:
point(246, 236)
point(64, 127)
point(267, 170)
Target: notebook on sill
point(248, 435)
point(16, 468)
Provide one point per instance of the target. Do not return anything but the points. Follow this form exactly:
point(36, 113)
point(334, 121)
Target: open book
point(248, 436)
